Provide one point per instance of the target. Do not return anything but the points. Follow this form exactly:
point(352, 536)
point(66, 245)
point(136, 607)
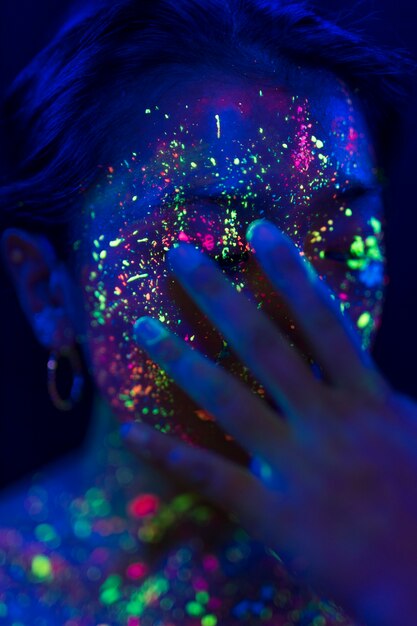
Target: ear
point(43, 286)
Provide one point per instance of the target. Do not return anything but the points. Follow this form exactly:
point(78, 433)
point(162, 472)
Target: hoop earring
point(70, 353)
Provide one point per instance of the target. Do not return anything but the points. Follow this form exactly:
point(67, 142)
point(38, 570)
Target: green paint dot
point(41, 566)
point(376, 225)
point(45, 533)
point(364, 320)
point(356, 264)
point(183, 502)
point(114, 580)
point(110, 596)
point(348, 212)
point(82, 528)
point(209, 620)
point(357, 247)
point(202, 597)
point(194, 608)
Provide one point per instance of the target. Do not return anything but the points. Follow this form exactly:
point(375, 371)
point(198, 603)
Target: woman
point(241, 129)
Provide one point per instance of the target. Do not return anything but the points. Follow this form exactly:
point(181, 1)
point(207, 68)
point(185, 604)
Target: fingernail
point(148, 331)
point(185, 258)
point(264, 232)
point(252, 227)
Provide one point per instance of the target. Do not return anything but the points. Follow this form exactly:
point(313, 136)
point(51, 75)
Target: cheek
point(350, 256)
point(127, 277)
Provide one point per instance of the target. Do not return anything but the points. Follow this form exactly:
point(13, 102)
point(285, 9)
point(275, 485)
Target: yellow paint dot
point(115, 242)
point(364, 320)
point(41, 566)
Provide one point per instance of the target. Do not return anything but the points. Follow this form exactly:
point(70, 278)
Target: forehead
point(283, 149)
point(222, 121)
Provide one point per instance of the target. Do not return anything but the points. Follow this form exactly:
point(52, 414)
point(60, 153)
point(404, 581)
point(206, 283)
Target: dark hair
point(60, 112)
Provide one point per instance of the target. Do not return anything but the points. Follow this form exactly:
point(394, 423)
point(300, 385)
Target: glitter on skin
point(117, 551)
point(41, 567)
point(273, 158)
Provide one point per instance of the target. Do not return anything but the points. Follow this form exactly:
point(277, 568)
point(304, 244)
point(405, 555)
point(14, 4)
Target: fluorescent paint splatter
point(115, 550)
point(218, 126)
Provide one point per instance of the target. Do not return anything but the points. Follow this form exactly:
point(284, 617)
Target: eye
point(357, 258)
point(337, 255)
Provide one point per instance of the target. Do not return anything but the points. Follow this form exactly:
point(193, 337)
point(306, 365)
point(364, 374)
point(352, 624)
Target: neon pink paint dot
point(145, 504)
point(200, 584)
point(183, 237)
point(210, 563)
point(136, 570)
point(214, 604)
point(343, 296)
point(133, 621)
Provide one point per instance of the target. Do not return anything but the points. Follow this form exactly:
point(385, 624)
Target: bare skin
point(263, 154)
point(337, 493)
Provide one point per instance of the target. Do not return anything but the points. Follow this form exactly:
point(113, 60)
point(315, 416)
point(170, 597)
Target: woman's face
point(213, 156)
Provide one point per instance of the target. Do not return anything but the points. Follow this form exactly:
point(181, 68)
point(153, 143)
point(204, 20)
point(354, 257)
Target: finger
point(335, 343)
point(223, 483)
point(242, 413)
point(251, 334)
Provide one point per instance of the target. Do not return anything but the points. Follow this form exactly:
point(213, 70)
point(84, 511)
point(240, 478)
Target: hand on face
point(212, 159)
point(332, 481)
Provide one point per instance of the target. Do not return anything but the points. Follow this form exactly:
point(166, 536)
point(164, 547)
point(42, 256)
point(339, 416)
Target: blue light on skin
point(209, 159)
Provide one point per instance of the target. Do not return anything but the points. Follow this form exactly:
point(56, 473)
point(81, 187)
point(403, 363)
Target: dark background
point(32, 432)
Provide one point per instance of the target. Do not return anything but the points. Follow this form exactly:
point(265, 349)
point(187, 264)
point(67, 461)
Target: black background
point(32, 432)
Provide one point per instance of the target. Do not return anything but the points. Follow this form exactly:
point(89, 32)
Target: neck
point(102, 433)
point(105, 456)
